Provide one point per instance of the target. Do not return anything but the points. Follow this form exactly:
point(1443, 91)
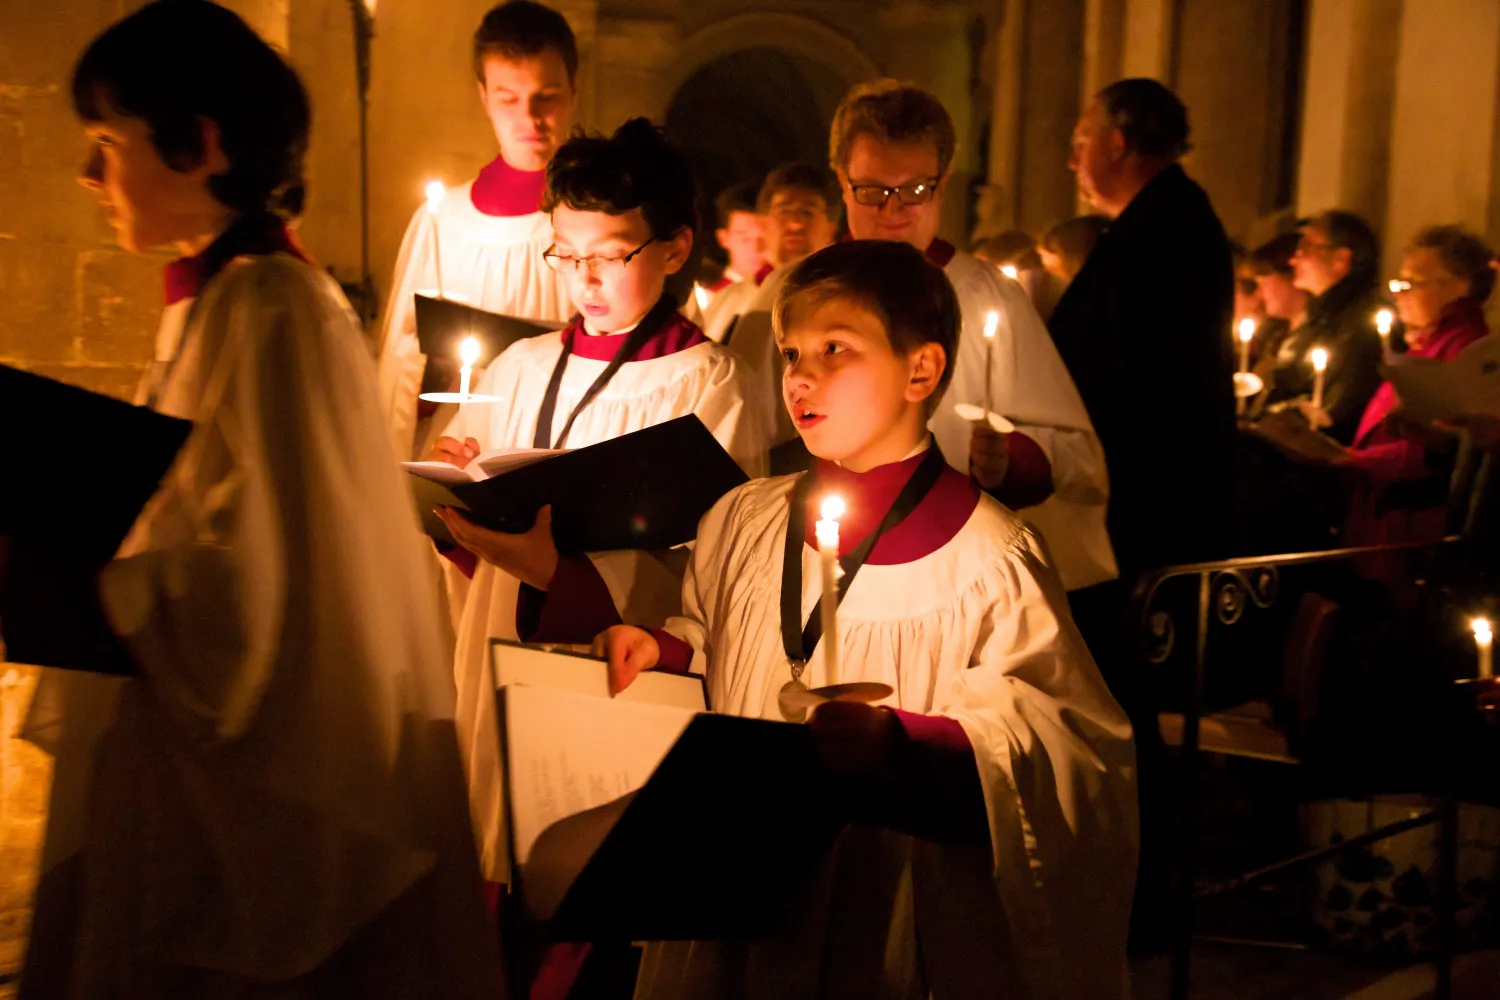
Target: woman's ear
point(928, 363)
point(214, 161)
point(679, 248)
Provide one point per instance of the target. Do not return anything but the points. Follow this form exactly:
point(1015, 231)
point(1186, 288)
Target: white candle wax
point(435, 193)
point(468, 353)
point(1320, 365)
point(1247, 334)
point(991, 327)
point(701, 294)
point(1484, 639)
point(1383, 322)
point(827, 531)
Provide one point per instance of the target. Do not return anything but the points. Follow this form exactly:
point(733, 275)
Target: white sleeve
point(701, 581)
point(1057, 764)
point(401, 362)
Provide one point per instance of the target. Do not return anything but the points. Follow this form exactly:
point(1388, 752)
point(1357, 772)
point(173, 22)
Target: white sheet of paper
point(567, 752)
point(486, 466)
point(535, 666)
point(1440, 390)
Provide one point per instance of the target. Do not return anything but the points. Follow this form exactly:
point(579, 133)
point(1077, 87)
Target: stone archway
point(756, 90)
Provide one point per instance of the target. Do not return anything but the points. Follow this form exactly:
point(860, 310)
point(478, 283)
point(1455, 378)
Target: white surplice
point(490, 262)
point(701, 380)
point(977, 631)
point(275, 805)
point(727, 306)
point(1031, 386)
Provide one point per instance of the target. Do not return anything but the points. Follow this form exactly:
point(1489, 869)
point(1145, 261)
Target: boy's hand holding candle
point(989, 456)
point(855, 738)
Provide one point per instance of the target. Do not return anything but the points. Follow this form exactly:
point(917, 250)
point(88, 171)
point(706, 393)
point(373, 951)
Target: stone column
point(1443, 134)
point(632, 58)
point(1346, 114)
point(1150, 30)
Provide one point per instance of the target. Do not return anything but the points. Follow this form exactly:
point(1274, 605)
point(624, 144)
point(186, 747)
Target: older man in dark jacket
point(1144, 330)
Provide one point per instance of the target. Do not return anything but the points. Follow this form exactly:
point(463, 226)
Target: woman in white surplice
point(995, 849)
point(273, 805)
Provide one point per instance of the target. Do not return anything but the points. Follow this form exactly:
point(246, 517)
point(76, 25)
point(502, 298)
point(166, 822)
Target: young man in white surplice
point(273, 804)
point(999, 805)
point(892, 146)
point(623, 213)
point(489, 233)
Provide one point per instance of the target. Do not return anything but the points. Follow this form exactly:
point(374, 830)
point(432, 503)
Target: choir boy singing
point(740, 234)
point(490, 232)
point(892, 146)
point(999, 825)
point(623, 216)
point(799, 207)
point(272, 805)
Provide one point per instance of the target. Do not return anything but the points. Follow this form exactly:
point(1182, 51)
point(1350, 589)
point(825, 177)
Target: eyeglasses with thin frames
point(878, 195)
point(597, 266)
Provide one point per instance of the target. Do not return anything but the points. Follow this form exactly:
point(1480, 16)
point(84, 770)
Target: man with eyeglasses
point(892, 147)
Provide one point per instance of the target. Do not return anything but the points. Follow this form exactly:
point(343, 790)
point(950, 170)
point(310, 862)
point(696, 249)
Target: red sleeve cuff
point(937, 732)
point(1028, 479)
point(459, 556)
point(932, 789)
point(575, 607)
point(676, 655)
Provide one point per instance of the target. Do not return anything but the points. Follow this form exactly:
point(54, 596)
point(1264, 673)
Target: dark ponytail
point(174, 62)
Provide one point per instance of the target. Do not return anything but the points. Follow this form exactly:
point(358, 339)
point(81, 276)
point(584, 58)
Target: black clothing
point(1144, 330)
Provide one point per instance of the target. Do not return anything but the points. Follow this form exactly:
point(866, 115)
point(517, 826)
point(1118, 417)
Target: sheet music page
point(567, 752)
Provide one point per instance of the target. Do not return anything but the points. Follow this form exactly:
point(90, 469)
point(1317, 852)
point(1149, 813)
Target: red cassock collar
point(678, 334)
point(503, 191)
point(868, 495)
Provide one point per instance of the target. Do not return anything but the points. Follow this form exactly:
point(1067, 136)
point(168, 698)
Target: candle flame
point(1247, 330)
point(1482, 633)
point(435, 193)
point(833, 507)
point(468, 351)
point(1396, 285)
point(1319, 359)
point(1009, 270)
point(991, 324)
point(701, 294)
point(1383, 321)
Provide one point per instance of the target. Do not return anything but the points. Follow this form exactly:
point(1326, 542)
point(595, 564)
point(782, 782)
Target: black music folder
point(442, 325)
point(718, 842)
point(643, 490)
point(58, 530)
point(86, 505)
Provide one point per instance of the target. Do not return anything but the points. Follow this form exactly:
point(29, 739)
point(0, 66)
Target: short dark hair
point(1463, 254)
point(637, 167)
point(521, 29)
point(1275, 255)
point(1345, 230)
point(895, 282)
point(174, 62)
point(801, 177)
point(735, 198)
point(892, 111)
point(1153, 119)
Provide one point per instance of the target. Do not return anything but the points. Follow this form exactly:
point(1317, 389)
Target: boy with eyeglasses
point(892, 147)
point(492, 230)
point(622, 214)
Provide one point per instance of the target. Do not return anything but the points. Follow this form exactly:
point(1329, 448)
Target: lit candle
point(827, 531)
point(991, 326)
point(1320, 365)
point(435, 193)
point(1009, 270)
point(1247, 334)
point(468, 353)
point(1383, 320)
point(1485, 640)
point(701, 294)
